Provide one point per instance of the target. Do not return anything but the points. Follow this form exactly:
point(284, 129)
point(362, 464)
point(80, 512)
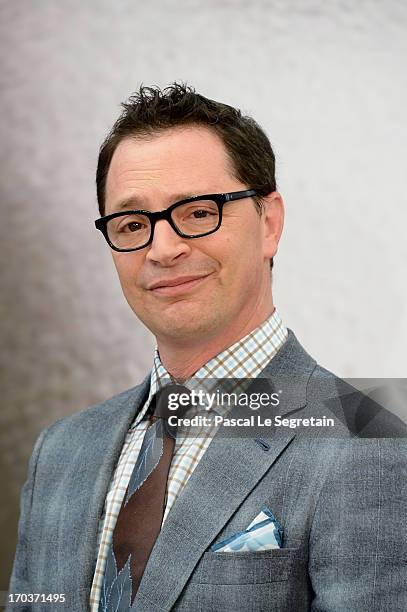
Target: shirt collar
point(244, 359)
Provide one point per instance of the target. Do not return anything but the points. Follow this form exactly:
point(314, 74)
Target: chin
point(184, 317)
point(183, 324)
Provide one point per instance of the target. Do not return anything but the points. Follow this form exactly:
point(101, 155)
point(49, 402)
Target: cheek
point(240, 256)
point(127, 267)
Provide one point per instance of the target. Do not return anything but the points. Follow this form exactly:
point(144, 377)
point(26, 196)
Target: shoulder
point(366, 413)
point(93, 419)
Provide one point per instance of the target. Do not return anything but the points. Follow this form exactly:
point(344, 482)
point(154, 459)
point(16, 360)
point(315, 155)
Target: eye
point(130, 225)
point(133, 226)
point(193, 217)
point(201, 213)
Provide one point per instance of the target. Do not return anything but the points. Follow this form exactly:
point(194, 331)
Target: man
point(122, 512)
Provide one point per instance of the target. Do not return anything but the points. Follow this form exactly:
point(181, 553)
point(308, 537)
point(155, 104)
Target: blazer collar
point(288, 373)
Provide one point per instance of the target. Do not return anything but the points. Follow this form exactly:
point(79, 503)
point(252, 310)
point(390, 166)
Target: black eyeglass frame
point(219, 198)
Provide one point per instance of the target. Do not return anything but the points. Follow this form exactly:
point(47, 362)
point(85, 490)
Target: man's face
point(229, 268)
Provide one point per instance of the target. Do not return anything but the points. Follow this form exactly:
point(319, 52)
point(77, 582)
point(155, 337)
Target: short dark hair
point(151, 110)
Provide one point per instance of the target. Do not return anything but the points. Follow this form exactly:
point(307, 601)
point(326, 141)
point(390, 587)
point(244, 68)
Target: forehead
point(187, 161)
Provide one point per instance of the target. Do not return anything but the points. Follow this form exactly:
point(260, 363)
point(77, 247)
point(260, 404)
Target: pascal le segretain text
point(250, 421)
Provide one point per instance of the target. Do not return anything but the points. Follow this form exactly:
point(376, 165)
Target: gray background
point(325, 79)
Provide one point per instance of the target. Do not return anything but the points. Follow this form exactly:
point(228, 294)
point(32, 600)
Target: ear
point(273, 222)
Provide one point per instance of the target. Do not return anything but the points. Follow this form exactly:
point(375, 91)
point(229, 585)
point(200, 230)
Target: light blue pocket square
point(263, 533)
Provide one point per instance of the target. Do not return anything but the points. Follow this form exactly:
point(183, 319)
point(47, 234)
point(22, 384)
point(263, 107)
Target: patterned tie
point(140, 516)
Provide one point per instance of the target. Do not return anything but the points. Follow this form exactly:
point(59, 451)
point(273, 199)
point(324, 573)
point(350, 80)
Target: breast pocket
point(263, 581)
point(264, 566)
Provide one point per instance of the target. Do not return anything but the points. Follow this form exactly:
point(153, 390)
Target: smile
point(179, 288)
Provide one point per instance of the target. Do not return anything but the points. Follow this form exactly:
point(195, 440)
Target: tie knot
point(171, 400)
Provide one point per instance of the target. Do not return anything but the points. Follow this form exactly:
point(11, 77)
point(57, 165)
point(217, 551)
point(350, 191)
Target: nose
point(167, 247)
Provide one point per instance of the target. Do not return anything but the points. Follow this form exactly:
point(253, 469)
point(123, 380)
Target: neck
point(183, 360)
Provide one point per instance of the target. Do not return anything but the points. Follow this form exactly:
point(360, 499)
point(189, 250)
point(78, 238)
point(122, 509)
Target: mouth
point(178, 286)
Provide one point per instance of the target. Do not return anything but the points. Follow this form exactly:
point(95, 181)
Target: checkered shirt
point(244, 359)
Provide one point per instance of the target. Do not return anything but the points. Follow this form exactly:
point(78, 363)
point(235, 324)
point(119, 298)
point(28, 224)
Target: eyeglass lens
point(193, 218)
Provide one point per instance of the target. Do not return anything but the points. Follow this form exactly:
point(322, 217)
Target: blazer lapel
point(108, 430)
point(224, 477)
point(226, 474)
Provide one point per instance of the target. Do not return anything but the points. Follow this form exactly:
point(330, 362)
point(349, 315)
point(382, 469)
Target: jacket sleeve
point(19, 582)
point(358, 538)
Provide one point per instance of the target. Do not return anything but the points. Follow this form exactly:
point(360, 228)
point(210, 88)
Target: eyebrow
point(138, 204)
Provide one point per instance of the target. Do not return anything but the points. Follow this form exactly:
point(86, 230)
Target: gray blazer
point(341, 499)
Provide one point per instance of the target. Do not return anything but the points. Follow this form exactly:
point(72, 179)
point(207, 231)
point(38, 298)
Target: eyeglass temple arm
point(238, 195)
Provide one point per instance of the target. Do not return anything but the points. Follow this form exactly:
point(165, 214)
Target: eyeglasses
point(190, 218)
